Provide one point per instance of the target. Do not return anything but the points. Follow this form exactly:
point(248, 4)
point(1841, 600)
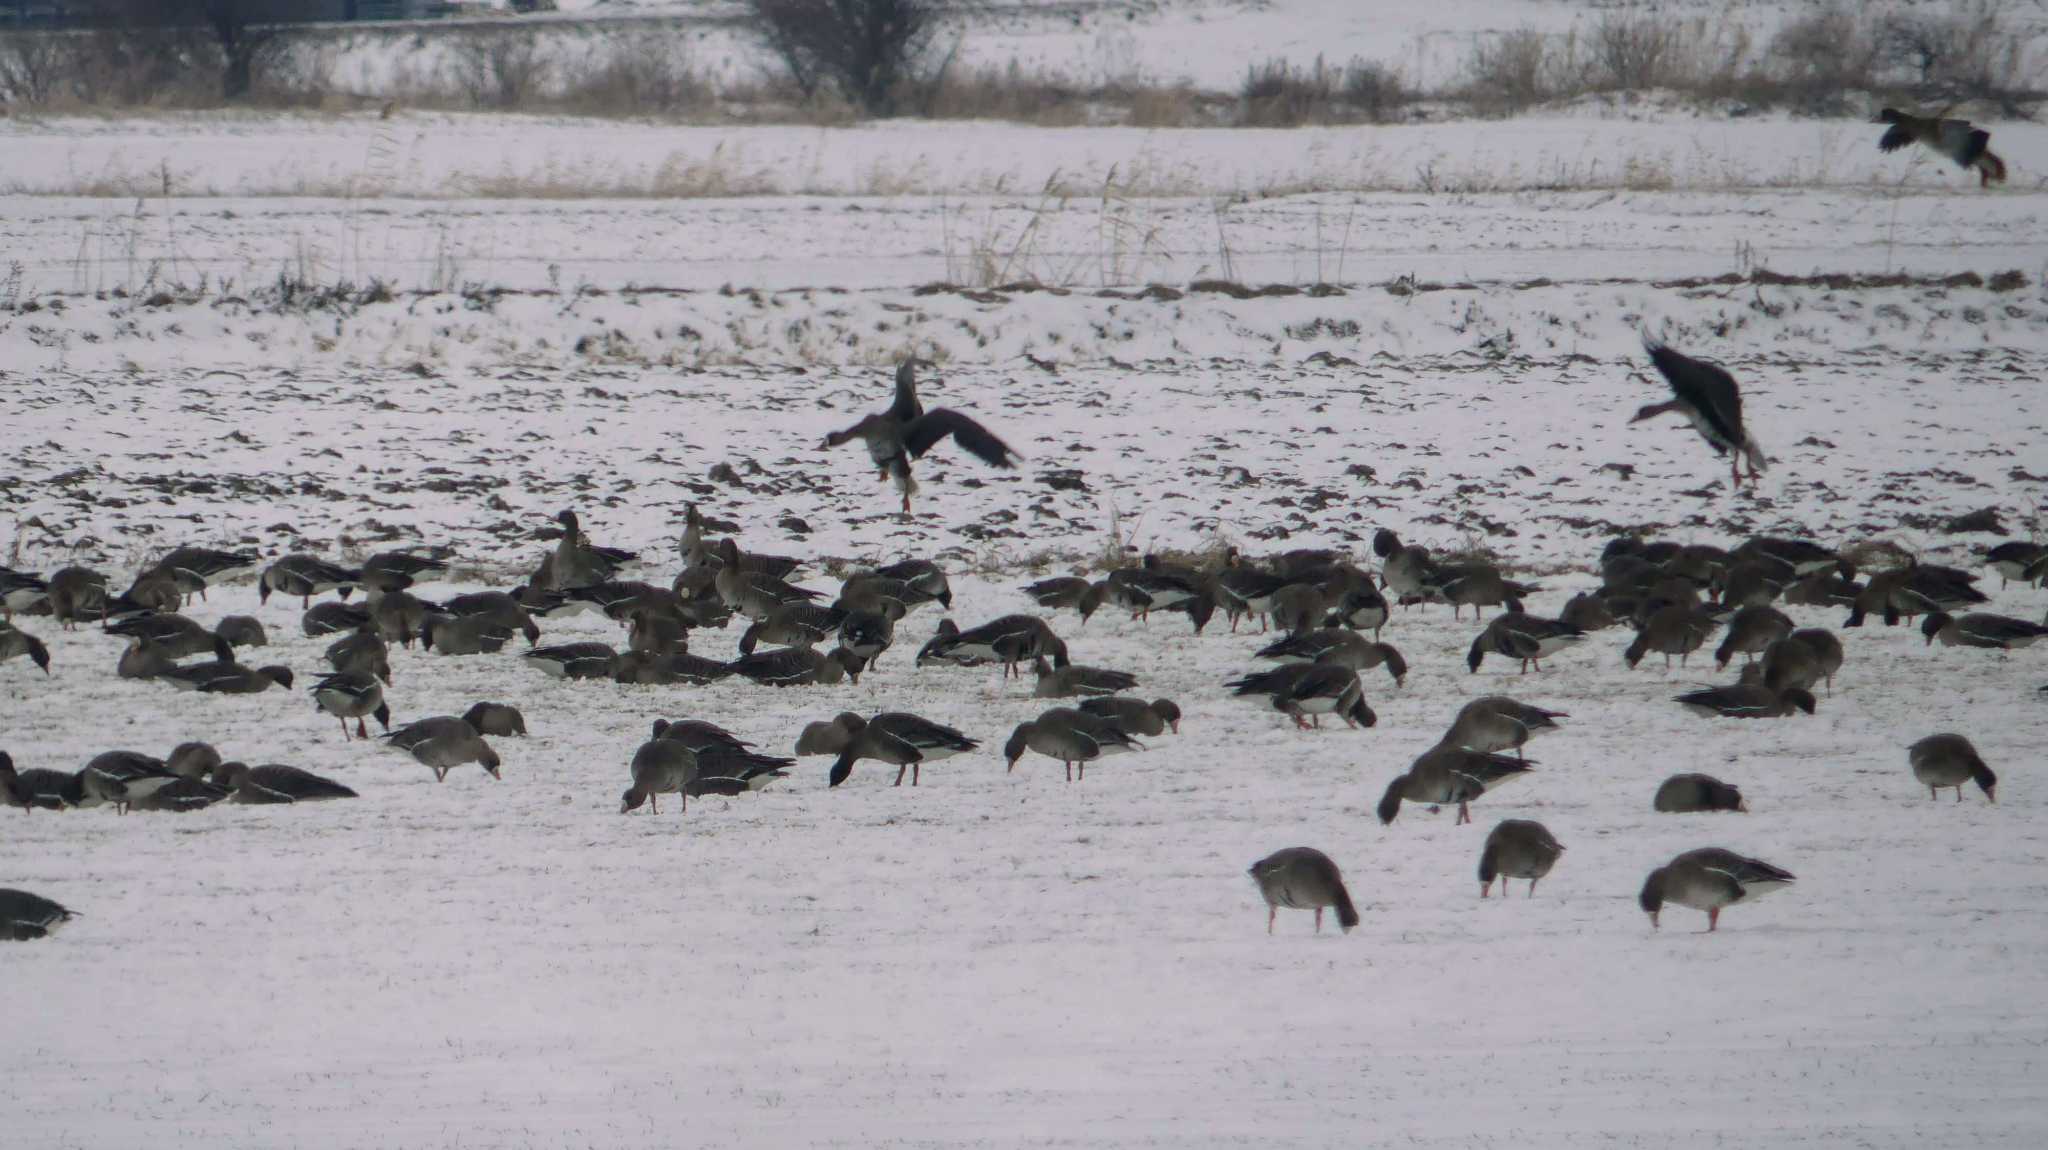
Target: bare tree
point(244, 34)
point(870, 49)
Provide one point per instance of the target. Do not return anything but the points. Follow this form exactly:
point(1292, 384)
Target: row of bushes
point(1826, 60)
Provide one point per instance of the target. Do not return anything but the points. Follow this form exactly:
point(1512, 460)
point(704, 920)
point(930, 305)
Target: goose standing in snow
point(905, 431)
point(1446, 774)
point(443, 743)
point(1303, 878)
point(1519, 635)
point(908, 741)
point(1497, 723)
point(1517, 848)
point(1708, 397)
point(1709, 879)
point(1950, 761)
point(1073, 737)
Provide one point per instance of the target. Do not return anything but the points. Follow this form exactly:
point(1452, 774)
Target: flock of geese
point(1323, 615)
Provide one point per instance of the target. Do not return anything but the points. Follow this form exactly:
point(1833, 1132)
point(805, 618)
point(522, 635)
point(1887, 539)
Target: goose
point(224, 676)
point(573, 660)
point(306, 576)
point(1517, 634)
point(1948, 760)
point(20, 591)
point(124, 778)
point(799, 624)
point(1303, 878)
point(1073, 737)
point(15, 643)
point(722, 754)
point(905, 431)
point(208, 563)
point(153, 590)
point(1405, 570)
point(797, 667)
point(1361, 607)
point(690, 768)
point(1747, 701)
point(659, 767)
point(363, 651)
point(392, 571)
point(1474, 585)
point(2015, 559)
point(193, 760)
point(1980, 629)
point(874, 591)
point(77, 594)
point(753, 595)
point(1157, 585)
point(1587, 612)
point(1517, 848)
point(1135, 717)
point(1246, 590)
point(617, 599)
point(697, 552)
point(1920, 589)
point(351, 695)
point(1339, 645)
point(330, 617)
point(442, 743)
point(1313, 689)
point(399, 616)
point(1750, 632)
point(1297, 608)
point(495, 607)
point(275, 783)
point(25, 917)
point(1445, 774)
point(906, 740)
point(866, 634)
point(1497, 723)
point(652, 631)
point(1078, 680)
point(1673, 630)
point(668, 669)
point(1801, 659)
point(464, 634)
point(37, 787)
point(1965, 145)
point(1010, 640)
point(1690, 793)
point(496, 720)
point(1067, 591)
point(924, 575)
point(1708, 397)
point(182, 796)
point(1795, 558)
point(1824, 589)
point(242, 631)
point(1709, 879)
point(576, 562)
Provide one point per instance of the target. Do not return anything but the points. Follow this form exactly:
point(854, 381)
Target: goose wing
point(1707, 388)
point(923, 433)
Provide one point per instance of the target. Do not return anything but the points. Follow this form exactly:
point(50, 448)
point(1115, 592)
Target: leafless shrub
point(498, 68)
point(1009, 93)
point(642, 73)
point(1963, 53)
point(1512, 71)
point(1279, 93)
point(1637, 51)
point(872, 50)
point(35, 65)
point(1816, 60)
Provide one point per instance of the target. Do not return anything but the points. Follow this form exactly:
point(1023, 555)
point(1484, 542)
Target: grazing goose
point(1692, 793)
point(1313, 689)
point(617, 599)
point(1497, 723)
point(1801, 659)
point(1361, 607)
point(1405, 570)
point(443, 743)
point(905, 431)
point(77, 594)
point(15, 643)
point(224, 676)
point(1445, 774)
point(1297, 608)
point(25, 916)
point(892, 737)
point(668, 669)
point(698, 552)
point(305, 576)
point(124, 778)
point(1135, 717)
point(680, 759)
point(576, 562)
point(363, 651)
point(330, 618)
point(874, 591)
point(1078, 680)
point(209, 563)
point(1245, 590)
point(276, 783)
point(1303, 878)
point(1707, 396)
point(659, 767)
point(1753, 584)
point(1010, 640)
point(1517, 848)
point(496, 607)
point(573, 660)
point(1339, 645)
point(173, 634)
point(1920, 589)
point(391, 571)
point(183, 796)
point(1750, 632)
point(1708, 879)
point(20, 591)
point(1587, 612)
point(496, 720)
point(1979, 629)
point(797, 667)
point(799, 624)
point(1950, 761)
point(1965, 145)
point(153, 590)
point(351, 695)
point(926, 576)
point(1823, 589)
point(753, 595)
point(399, 616)
point(1474, 585)
point(1065, 591)
point(2015, 559)
point(1517, 634)
point(194, 760)
point(30, 789)
point(1070, 736)
point(651, 631)
point(1747, 701)
point(1158, 585)
point(1672, 630)
point(463, 634)
point(1794, 558)
point(142, 659)
point(866, 634)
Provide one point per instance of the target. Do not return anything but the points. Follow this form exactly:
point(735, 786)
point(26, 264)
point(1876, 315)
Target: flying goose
point(1445, 774)
point(496, 720)
point(389, 571)
point(892, 737)
point(1981, 629)
point(1339, 645)
point(797, 666)
point(1968, 147)
point(276, 783)
point(1303, 878)
point(1070, 736)
point(330, 617)
point(1750, 632)
point(1747, 701)
point(1074, 679)
point(1517, 634)
point(1673, 630)
point(1064, 591)
point(1312, 689)
point(351, 695)
point(443, 743)
point(2015, 559)
point(1497, 723)
point(124, 778)
point(15, 643)
point(305, 576)
point(1010, 640)
point(1709, 879)
point(1708, 397)
point(1949, 760)
point(905, 431)
point(576, 562)
point(1135, 716)
point(1690, 793)
point(1517, 848)
point(25, 916)
point(573, 660)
